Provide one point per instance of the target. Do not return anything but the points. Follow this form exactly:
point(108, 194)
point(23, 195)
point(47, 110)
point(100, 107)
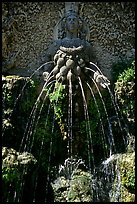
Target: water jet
point(69, 128)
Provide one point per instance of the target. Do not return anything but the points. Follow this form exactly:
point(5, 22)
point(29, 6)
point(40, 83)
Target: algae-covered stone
point(80, 187)
point(126, 166)
point(118, 175)
point(13, 160)
point(76, 189)
point(16, 168)
point(127, 172)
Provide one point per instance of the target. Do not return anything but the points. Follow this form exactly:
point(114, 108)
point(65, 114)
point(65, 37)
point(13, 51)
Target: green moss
point(77, 189)
point(119, 67)
point(10, 174)
point(80, 187)
point(57, 99)
point(125, 96)
point(18, 96)
point(127, 169)
point(126, 165)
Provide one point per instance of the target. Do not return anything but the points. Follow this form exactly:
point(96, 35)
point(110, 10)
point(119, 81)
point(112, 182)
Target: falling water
point(38, 118)
point(102, 127)
point(41, 148)
point(115, 195)
point(90, 148)
point(21, 182)
point(110, 137)
point(70, 133)
point(33, 114)
point(29, 139)
point(22, 90)
point(116, 110)
point(49, 159)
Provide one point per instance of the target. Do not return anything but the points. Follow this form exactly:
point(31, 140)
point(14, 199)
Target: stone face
point(27, 31)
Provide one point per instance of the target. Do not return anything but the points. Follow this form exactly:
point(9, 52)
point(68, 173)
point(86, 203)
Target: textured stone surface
point(78, 189)
point(12, 158)
point(27, 31)
point(120, 186)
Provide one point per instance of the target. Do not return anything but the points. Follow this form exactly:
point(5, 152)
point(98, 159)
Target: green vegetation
point(120, 67)
point(47, 133)
point(124, 89)
point(57, 99)
point(18, 95)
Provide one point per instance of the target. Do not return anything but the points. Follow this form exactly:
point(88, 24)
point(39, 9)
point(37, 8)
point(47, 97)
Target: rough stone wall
point(27, 31)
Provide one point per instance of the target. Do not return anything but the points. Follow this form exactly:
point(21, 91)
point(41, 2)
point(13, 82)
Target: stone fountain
point(69, 80)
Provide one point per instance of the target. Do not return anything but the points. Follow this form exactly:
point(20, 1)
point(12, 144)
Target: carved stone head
point(71, 22)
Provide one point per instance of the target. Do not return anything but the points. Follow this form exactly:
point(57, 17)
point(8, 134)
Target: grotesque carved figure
point(70, 53)
point(70, 60)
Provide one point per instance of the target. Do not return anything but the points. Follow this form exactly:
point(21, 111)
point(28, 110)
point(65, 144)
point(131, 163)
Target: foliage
point(125, 95)
point(127, 172)
point(10, 174)
point(80, 187)
point(57, 98)
point(103, 117)
point(121, 185)
point(16, 168)
point(127, 168)
point(119, 67)
point(18, 97)
point(129, 181)
point(128, 74)
point(47, 143)
point(125, 89)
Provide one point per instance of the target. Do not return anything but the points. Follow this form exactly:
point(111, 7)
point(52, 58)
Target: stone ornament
point(70, 52)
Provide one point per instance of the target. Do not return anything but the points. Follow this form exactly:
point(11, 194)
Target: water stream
point(28, 139)
point(71, 131)
point(106, 137)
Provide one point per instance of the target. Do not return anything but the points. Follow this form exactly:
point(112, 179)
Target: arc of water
point(51, 143)
point(33, 112)
point(116, 193)
point(109, 124)
point(70, 133)
point(20, 94)
point(49, 159)
point(39, 115)
point(115, 107)
point(48, 163)
point(88, 68)
point(88, 129)
point(20, 183)
point(104, 139)
point(91, 63)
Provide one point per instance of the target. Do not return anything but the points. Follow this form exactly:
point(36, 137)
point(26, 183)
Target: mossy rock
point(127, 172)
point(76, 189)
point(18, 169)
point(123, 185)
point(18, 97)
point(80, 187)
